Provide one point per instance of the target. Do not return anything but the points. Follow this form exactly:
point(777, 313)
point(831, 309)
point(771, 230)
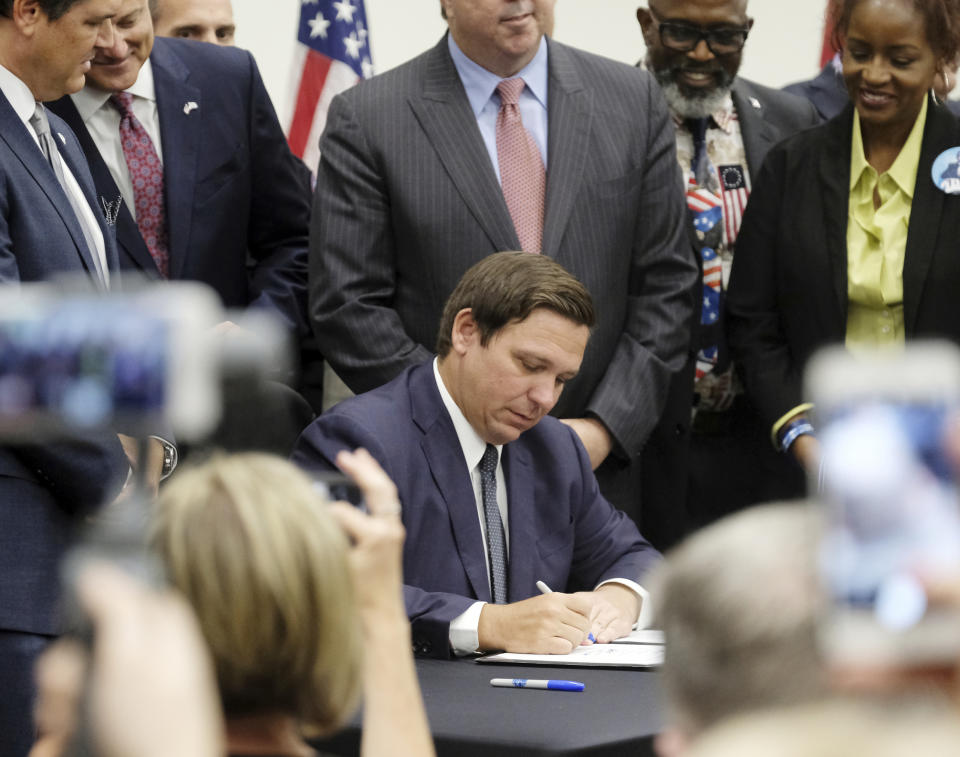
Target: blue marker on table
point(530, 683)
point(544, 589)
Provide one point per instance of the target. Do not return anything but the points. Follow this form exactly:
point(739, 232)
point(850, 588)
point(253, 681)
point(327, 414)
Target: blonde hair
point(250, 544)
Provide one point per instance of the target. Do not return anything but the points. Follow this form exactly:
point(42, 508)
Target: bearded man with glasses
point(719, 454)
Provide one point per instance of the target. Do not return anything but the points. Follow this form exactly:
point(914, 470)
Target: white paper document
point(642, 636)
point(598, 655)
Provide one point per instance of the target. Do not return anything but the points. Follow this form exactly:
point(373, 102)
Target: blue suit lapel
point(180, 130)
point(569, 119)
point(15, 134)
point(524, 558)
point(128, 235)
point(445, 115)
point(441, 447)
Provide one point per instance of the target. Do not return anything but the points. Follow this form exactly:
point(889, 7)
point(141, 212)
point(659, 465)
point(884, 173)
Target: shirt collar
point(90, 99)
point(480, 84)
point(470, 442)
point(18, 94)
point(904, 168)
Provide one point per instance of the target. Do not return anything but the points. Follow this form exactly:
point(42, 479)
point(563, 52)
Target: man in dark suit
point(235, 200)
point(50, 224)
point(826, 91)
point(233, 203)
point(496, 496)
point(721, 460)
point(411, 192)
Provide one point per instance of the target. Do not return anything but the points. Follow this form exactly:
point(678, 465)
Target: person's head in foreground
point(898, 727)
point(200, 20)
point(737, 602)
point(251, 545)
point(694, 49)
point(512, 333)
point(893, 53)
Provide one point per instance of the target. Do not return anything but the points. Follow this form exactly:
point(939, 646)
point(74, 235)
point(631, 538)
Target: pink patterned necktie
point(522, 175)
point(146, 174)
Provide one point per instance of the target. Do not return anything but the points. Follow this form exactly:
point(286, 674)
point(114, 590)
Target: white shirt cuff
point(464, 634)
point(645, 618)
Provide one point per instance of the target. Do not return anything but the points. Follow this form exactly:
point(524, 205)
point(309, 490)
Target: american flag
point(333, 54)
point(735, 193)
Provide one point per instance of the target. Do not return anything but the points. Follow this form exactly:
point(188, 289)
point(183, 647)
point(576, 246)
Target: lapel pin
point(190, 106)
point(946, 171)
point(755, 103)
point(63, 139)
point(111, 209)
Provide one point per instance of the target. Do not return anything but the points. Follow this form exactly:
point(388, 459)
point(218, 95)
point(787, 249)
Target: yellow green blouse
point(877, 241)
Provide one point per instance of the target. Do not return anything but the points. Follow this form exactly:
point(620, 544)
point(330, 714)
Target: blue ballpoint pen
point(530, 683)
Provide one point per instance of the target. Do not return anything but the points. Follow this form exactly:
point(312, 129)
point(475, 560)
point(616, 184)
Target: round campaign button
point(946, 171)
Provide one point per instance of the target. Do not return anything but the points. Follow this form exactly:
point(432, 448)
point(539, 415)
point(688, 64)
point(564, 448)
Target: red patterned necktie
point(146, 174)
point(522, 174)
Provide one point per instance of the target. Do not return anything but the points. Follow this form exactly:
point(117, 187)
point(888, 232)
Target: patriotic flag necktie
point(706, 207)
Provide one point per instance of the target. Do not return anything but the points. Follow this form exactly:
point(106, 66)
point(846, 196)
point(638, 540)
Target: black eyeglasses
point(683, 38)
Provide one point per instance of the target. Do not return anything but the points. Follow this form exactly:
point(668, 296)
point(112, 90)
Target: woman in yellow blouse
point(852, 235)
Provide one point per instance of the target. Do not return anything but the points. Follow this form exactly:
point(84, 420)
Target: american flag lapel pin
point(189, 107)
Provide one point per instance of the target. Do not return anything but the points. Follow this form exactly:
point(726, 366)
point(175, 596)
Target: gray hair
point(738, 602)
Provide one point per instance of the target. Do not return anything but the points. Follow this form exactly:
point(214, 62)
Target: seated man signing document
point(496, 495)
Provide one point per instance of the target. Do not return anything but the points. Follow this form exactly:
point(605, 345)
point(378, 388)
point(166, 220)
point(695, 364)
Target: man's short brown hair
point(506, 287)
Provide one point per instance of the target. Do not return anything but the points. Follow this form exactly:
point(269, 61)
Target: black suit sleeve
point(279, 214)
point(755, 328)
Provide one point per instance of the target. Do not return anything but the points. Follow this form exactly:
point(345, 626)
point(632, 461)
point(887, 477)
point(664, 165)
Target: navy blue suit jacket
point(237, 199)
point(45, 488)
point(561, 530)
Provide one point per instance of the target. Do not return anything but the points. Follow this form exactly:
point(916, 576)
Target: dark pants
point(18, 656)
point(732, 464)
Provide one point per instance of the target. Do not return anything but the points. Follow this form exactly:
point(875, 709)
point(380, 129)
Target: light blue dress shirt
point(481, 87)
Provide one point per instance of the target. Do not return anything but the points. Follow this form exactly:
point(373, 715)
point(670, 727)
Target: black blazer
point(788, 287)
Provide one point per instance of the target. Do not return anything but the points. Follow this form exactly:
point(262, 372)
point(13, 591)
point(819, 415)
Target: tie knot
point(39, 121)
point(510, 90)
point(488, 463)
point(122, 101)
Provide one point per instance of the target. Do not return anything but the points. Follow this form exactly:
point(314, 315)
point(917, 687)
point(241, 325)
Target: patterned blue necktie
point(496, 539)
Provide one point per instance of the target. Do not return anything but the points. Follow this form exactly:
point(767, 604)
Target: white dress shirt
point(20, 97)
point(464, 636)
point(103, 123)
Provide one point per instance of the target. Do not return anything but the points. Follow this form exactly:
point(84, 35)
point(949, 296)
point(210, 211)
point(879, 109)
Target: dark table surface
point(617, 714)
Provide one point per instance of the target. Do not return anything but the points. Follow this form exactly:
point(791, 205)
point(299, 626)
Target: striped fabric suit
point(407, 200)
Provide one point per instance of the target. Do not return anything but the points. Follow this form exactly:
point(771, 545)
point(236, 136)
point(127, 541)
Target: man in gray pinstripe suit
point(409, 196)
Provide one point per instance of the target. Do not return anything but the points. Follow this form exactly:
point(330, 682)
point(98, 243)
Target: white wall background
point(784, 45)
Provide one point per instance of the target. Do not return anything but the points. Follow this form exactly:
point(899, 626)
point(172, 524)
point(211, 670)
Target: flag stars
point(367, 68)
point(345, 10)
point(318, 26)
point(353, 45)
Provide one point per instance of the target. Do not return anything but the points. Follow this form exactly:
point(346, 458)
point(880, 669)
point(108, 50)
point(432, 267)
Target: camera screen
point(892, 504)
point(83, 364)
